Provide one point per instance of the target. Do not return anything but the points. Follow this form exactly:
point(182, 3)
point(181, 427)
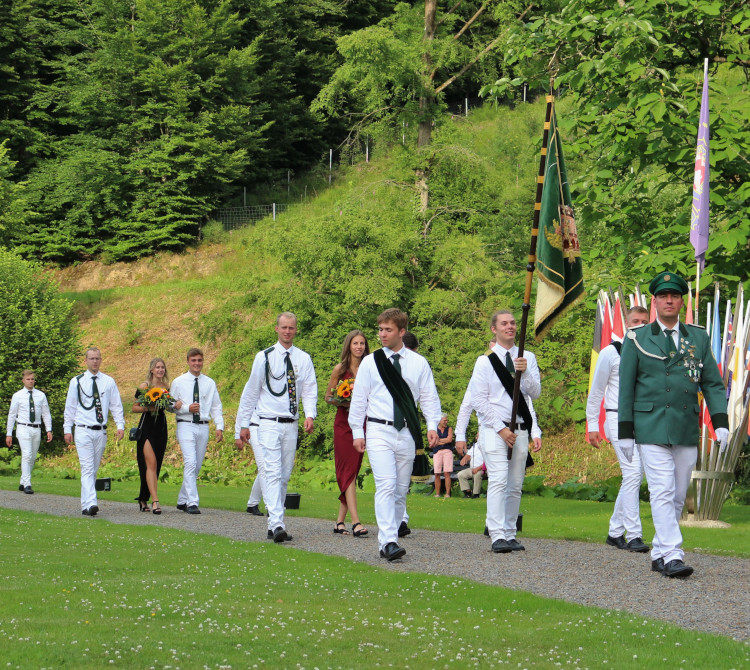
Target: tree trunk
point(424, 136)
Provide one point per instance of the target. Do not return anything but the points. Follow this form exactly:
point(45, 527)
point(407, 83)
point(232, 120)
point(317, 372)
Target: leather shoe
point(28, 489)
point(474, 495)
point(403, 531)
point(279, 535)
point(467, 494)
point(515, 545)
point(677, 568)
point(392, 551)
point(182, 507)
point(21, 487)
point(638, 545)
point(501, 547)
point(618, 542)
point(193, 509)
point(657, 565)
point(254, 510)
point(486, 531)
point(288, 537)
point(91, 511)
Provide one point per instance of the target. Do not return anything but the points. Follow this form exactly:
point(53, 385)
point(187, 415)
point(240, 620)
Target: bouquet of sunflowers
point(155, 399)
point(343, 390)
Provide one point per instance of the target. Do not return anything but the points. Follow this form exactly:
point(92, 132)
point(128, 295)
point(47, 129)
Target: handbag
point(135, 432)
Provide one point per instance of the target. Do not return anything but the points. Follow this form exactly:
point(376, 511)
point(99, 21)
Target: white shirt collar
point(676, 327)
point(281, 350)
point(500, 350)
point(401, 352)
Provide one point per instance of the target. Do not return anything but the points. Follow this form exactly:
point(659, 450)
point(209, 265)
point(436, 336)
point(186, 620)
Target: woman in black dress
point(153, 441)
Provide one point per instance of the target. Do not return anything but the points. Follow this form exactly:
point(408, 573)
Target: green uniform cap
point(668, 281)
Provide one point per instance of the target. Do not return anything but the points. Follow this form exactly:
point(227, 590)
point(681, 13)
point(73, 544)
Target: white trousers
point(193, 440)
point(278, 444)
point(505, 481)
point(391, 455)
point(465, 476)
point(257, 491)
point(668, 472)
point(28, 439)
point(90, 448)
point(626, 518)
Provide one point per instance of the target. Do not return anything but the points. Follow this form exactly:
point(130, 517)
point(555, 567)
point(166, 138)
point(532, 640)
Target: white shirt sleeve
point(535, 430)
point(178, 391)
point(479, 386)
point(358, 407)
point(464, 415)
point(46, 414)
point(251, 392)
point(309, 389)
point(12, 414)
point(216, 409)
point(429, 401)
point(531, 382)
point(599, 383)
point(71, 405)
point(115, 406)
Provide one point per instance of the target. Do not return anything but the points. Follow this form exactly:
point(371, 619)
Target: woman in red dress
point(348, 459)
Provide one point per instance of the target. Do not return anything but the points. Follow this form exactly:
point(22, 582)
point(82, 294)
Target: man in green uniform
point(664, 364)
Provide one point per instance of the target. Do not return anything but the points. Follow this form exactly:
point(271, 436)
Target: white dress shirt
point(492, 403)
point(208, 394)
point(256, 398)
point(19, 410)
point(467, 407)
point(372, 398)
point(109, 395)
point(605, 385)
point(675, 333)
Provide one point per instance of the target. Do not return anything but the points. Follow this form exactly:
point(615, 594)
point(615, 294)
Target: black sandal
point(359, 533)
point(340, 531)
point(155, 509)
point(143, 505)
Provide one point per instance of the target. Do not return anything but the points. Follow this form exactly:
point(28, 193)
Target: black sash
point(401, 394)
point(506, 379)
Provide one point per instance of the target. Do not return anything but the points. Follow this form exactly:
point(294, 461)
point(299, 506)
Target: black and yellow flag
point(559, 267)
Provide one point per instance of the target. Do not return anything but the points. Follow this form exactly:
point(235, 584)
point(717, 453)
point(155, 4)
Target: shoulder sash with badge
point(506, 379)
point(401, 394)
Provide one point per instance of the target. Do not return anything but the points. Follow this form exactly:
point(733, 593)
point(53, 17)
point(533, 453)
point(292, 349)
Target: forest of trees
point(123, 125)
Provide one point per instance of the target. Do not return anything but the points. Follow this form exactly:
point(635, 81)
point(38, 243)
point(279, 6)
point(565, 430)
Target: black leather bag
point(135, 432)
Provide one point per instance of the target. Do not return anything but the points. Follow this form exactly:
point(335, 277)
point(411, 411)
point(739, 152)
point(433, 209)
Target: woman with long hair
point(348, 459)
point(153, 439)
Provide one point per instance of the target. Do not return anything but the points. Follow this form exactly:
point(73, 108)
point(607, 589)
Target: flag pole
point(697, 289)
point(530, 266)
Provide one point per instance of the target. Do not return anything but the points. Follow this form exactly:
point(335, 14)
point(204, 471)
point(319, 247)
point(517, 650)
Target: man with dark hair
point(28, 408)
point(410, 341)
point(92, 395)
point(390, 383)
point(200, 403)
point(491, 389)
point(663, 367)
point(626, 518)
point(281, 375)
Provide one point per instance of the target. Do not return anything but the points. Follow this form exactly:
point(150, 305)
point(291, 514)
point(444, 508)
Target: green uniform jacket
point(659, 395)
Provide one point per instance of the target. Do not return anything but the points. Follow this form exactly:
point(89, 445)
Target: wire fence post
point(367, 149)
point(330, 165)
point(466, 106)
point(274, 211)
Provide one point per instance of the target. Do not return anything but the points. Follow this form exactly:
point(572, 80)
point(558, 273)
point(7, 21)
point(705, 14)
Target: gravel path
point(589, 574)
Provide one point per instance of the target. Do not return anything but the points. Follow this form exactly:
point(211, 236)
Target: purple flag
point(699, 210)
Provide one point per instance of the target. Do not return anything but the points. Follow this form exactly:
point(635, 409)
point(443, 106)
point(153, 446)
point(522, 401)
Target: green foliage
point(13, 209)
point(39, 333)
point(632, 75)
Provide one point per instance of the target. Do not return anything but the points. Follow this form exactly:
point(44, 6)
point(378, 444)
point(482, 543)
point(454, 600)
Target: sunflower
point(154, 394)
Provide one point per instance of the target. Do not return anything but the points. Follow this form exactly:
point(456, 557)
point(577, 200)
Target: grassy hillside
point(338, 260)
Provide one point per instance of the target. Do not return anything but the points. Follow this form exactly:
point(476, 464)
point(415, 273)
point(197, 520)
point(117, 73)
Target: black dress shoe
point(91, 511)
point(515, 545)
point(182, 507)
point(288, 537)
point(638, 545)
point(467, 494)
point(392, 551)
point(21, 487)
point(403, 531)
point(618, 542)
point(677, 568)
point(657, 565)
point(474, 495)
point(279, 535)
point(486, 531)
point(501, 547)
point(254, 510)
point(28, 489)
point(193, 509)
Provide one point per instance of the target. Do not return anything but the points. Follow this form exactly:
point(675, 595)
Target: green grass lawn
point(554, 518)
point(148, 597)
